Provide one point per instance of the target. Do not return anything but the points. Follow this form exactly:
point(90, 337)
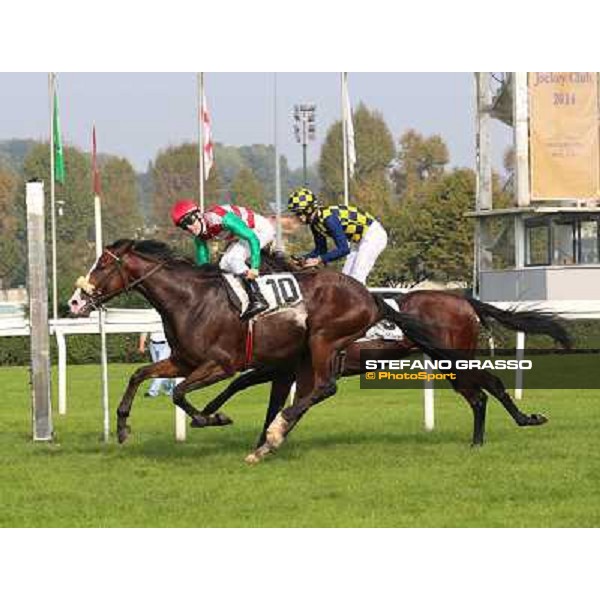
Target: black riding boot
point(256, 301)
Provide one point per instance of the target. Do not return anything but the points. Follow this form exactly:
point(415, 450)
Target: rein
point(96, 302)
point(127, 285)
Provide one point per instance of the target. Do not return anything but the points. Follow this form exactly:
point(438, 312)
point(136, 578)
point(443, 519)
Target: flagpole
point(52, 91)
point(101, 315)
point(345, 138)
point(201, 137)
point(279, 240)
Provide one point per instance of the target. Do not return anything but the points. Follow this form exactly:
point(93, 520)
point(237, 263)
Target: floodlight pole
point(304, 145)
point(278, 236)
point(304, 128)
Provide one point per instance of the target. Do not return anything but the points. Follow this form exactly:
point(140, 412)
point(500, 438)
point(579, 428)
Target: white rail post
point(180, 425)
point(428, 401)
point(62, 371)
point(519, 372)
point(180, 420)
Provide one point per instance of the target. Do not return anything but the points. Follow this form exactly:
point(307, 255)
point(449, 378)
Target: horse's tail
point(416, 331)
point(529, 321)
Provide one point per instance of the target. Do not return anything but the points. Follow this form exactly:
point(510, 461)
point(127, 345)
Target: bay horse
point(456, 321)
point(208, 339)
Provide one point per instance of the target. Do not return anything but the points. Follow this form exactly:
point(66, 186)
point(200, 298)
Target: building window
point(537, 243)
point(588, 242)
point(497, 243)
point(563, 242)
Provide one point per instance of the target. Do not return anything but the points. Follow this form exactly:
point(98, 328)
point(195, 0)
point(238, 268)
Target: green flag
point(59, 159)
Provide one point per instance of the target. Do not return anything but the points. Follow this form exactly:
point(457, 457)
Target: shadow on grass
point(164, 448)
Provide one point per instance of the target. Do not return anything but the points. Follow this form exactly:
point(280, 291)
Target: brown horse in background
point(208, 339)
point(456, 321)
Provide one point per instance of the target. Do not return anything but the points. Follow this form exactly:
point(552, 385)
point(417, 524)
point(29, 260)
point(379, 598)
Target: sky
point(138, 114)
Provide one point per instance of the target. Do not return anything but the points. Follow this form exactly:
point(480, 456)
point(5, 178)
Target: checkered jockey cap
point(302, 201)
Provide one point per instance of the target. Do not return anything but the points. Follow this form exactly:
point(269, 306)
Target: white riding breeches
point(362, 257)
point(235, 257)
point(159, 351)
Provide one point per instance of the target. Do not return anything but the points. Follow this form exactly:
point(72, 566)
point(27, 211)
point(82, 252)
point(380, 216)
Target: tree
point(175, 175)
point(374, 143)
point(75, 235)
point(295, 179)
point(259, 159)
point(429, 234)
point(508, 160)
point(12, 259)
point(75, 213)
point(121, 216)
point(419, 159)
point(230, 161)
point(145, 185)
point(248, 191)
point(13, 153)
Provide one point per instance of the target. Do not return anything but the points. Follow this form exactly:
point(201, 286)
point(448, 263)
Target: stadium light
point(305, 129)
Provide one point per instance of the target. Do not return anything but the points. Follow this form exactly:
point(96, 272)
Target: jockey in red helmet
point(229, 222)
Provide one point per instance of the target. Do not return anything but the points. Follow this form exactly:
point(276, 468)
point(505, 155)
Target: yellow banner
point(564, 136)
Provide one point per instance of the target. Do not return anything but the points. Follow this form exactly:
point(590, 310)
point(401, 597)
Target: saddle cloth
point(280, 290)
point(384, 330)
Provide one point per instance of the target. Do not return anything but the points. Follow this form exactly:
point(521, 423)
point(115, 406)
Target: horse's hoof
point(252, 459)
point(258, 454)
point(199, 421)
point(538, 419)
point(216, 420)
point(123, 434)
point(221, 420)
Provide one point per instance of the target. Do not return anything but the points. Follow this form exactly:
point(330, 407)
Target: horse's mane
point(272, 262)
point(163, 252)
point(276, 262)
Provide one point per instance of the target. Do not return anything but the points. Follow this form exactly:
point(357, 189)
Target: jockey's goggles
point(188, 220)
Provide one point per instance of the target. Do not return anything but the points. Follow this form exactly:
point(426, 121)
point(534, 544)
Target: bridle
point(96, 302)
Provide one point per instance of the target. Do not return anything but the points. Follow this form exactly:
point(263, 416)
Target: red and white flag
point(209, 157)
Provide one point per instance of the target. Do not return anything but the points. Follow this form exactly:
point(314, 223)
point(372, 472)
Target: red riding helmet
point(181, 208)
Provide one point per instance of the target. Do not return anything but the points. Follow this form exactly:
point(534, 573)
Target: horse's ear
point(121, 246)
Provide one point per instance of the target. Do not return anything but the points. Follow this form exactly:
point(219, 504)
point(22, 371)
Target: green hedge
point(81, 349)
point(122, 348)
point(586, 334)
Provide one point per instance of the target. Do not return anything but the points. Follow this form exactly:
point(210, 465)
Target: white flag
point(209, 158)
point(349, 128)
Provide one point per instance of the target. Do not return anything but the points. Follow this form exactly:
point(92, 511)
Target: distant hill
point(13, 153)
point(145, 191)
point(259, 158)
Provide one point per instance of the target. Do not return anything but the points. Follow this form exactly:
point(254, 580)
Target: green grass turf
point(361, 459)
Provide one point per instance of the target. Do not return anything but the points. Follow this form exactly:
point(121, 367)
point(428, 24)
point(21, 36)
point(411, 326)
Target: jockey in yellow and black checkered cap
point(357, 235)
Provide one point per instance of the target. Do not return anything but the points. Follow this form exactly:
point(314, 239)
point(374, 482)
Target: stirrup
point(253, 310)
